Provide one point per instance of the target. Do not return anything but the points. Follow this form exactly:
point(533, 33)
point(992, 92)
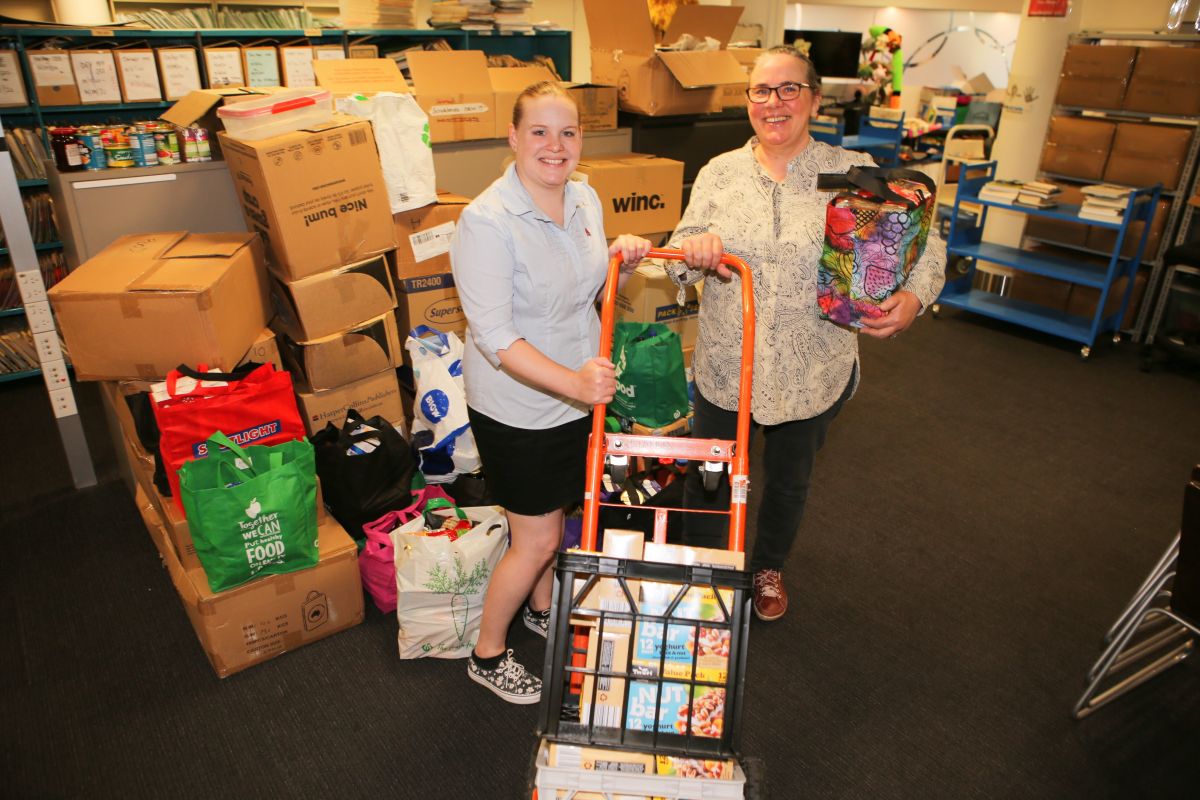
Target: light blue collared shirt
point(521, 276)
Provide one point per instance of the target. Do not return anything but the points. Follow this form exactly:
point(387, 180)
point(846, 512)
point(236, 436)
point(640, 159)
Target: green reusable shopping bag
point(651, 383)
point(252, 511)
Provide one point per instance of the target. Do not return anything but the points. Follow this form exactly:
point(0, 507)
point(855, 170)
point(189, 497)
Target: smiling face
point(782, 125)
point(547, 141)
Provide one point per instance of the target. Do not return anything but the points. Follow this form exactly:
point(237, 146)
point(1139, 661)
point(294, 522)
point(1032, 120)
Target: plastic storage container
point(276, 114)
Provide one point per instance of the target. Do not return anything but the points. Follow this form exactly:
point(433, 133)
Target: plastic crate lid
point(278, 103)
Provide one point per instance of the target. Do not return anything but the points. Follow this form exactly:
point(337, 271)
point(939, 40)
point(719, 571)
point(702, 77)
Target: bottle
point(69, 154)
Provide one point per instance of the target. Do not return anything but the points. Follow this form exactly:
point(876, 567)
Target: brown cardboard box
point(359, 76)
point(1143, 155)
point(597, 105)
point(1165, 81)
point(733, 95)
point(333, 301)
point(1095, 76)
point(296, 66)
point(377, 394)
point(265, 350)
point(454, 89)
point(268, 617)
point(429, 300)
point(1043, 291)
point(649, 296)
point(508, 83)
point(1105, 239)
point(200, 108)
point(53, 77)
point(423, 237)
point(639, 193)
point(342, 358)
point(363, 50)
point(261, 64)
point(1082, 299)
point(657, 83)
point(1059, 231)
point(1077, 147)
point(317, 196)
point(137, 72)
point(146, 303)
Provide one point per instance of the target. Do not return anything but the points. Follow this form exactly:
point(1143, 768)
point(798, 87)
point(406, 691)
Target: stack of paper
point(1038, 194)
point(481, 15)
point(377, 13)
point(512, 16)
point(1001, 191)
point(449, 14)
point(1104, 202)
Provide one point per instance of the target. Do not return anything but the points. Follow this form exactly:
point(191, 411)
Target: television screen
point(835, 54)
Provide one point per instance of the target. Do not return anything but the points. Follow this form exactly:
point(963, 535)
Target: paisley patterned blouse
point(801, 362)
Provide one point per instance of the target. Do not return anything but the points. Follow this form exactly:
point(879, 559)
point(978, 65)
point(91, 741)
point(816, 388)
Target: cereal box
point(706, 704)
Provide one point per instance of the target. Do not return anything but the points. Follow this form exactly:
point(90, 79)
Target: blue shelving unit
point(966, 240)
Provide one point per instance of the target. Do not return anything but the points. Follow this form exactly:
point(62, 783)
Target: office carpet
point(983, 508)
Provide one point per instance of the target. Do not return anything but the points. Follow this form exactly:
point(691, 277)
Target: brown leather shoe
point(770, 598)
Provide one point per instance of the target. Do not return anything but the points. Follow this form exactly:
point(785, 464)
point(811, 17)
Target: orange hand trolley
point(665, 726)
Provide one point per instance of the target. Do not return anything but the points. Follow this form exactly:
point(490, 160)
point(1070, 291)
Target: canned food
point(145, 148)
point(119, 155)
point(95, 146)
point(168, 147)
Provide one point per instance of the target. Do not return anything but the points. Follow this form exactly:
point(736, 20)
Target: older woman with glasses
point(760, 203)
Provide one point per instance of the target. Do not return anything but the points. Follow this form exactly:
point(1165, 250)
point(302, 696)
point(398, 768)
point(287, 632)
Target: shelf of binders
point(40, 246)
point(966, 240)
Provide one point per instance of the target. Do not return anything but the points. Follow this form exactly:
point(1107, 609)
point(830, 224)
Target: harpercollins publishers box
point(148, 302)
point(316, 196)
point(267, 617)
point(377, 394)
point(650, 296)
point(639, 193)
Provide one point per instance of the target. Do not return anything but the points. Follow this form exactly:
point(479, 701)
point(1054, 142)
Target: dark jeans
point(788, 456)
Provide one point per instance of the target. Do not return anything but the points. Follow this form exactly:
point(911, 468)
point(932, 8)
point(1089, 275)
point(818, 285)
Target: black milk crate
point(573, 682)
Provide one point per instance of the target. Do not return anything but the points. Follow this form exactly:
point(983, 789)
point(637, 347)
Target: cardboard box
point(454, 89)
point(1105, 239)
point(507, 84)
point(261, 65)
point(296, 66)
point(1095, 76)
point(137, 72)
point(607, 654)
point(268, 617)
point(1077, 147)
point(597, 105)
point(224, 66)
point(179, 68)
point(317, 196)
point(1165, 81)
point(599, 759)
point(639, 193)
point(423, 237)
point(359, 76)
point(649, 296)
point(96, 76)
point(377, 394)
point(684, 767)
point(53, 77)
point(1081, 301)
point(1047, 292)
point(342, 358)
point(331, 302)
point(146, 303)
point(265, 350)
point(733, 95)
point(200, 108)
point(429, 300)
point(1143, 155)
point(363, 50)
point(658, 83)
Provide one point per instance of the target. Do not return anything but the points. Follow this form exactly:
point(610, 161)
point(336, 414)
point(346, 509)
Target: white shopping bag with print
point(441, 431)
point(402, 135)
point(441, 579)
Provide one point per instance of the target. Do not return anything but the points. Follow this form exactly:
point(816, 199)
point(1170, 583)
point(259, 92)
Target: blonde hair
point(540, 89)
point(810, 71)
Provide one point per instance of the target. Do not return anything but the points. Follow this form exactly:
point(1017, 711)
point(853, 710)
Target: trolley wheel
point(1085, 352)
point(711, 478)
point(618, 473)
point(1116, 338)
point(756, 778)
point(935, 310)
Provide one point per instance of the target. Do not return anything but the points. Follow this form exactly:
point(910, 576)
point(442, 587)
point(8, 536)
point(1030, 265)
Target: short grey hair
point(810, 71)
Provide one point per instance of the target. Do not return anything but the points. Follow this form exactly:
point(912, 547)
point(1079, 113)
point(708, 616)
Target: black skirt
point(531, 471)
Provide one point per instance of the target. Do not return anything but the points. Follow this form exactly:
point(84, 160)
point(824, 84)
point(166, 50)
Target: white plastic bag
point(402, 135)
point(441, 430)
point(440, 583)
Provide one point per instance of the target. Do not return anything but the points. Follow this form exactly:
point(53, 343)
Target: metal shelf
point(1088, 181)
point(1019, 312)
point(107, 107)
point(12, 312)
point(1050, 266)
point(33, 182)
point(16, 376)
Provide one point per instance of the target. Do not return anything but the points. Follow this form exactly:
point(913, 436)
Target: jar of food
point(70, 155)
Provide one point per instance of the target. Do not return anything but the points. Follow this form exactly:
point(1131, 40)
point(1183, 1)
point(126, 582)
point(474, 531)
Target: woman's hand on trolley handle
point(596, 381)
point(632, 250)
point(703, 252)
point(899, 312)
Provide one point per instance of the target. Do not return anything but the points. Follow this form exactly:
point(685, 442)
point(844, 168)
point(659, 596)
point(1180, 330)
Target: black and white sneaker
point(508, 679)
point(536, 621)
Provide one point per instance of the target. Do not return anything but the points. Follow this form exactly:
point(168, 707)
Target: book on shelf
point(1042, 188)
point(1106, 191)
point(1100, 214)
point(1118, 204)
point(1000, 191)
point(1035, 200)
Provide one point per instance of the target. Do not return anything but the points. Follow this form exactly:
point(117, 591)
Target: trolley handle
point(741, 461)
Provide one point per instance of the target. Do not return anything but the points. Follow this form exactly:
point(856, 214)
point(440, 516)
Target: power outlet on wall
point(62, 402)
point(39, 317)
point(48, 348)
point(55, 375)
point(31, 286)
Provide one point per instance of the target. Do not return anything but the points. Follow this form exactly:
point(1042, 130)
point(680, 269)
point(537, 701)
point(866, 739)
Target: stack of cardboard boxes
point(130, 315)
point(318, 200)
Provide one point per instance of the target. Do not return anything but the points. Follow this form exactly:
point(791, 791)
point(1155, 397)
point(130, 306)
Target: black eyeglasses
point(784, 91)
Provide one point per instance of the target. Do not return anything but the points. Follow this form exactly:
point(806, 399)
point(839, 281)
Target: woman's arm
point(594, 382)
